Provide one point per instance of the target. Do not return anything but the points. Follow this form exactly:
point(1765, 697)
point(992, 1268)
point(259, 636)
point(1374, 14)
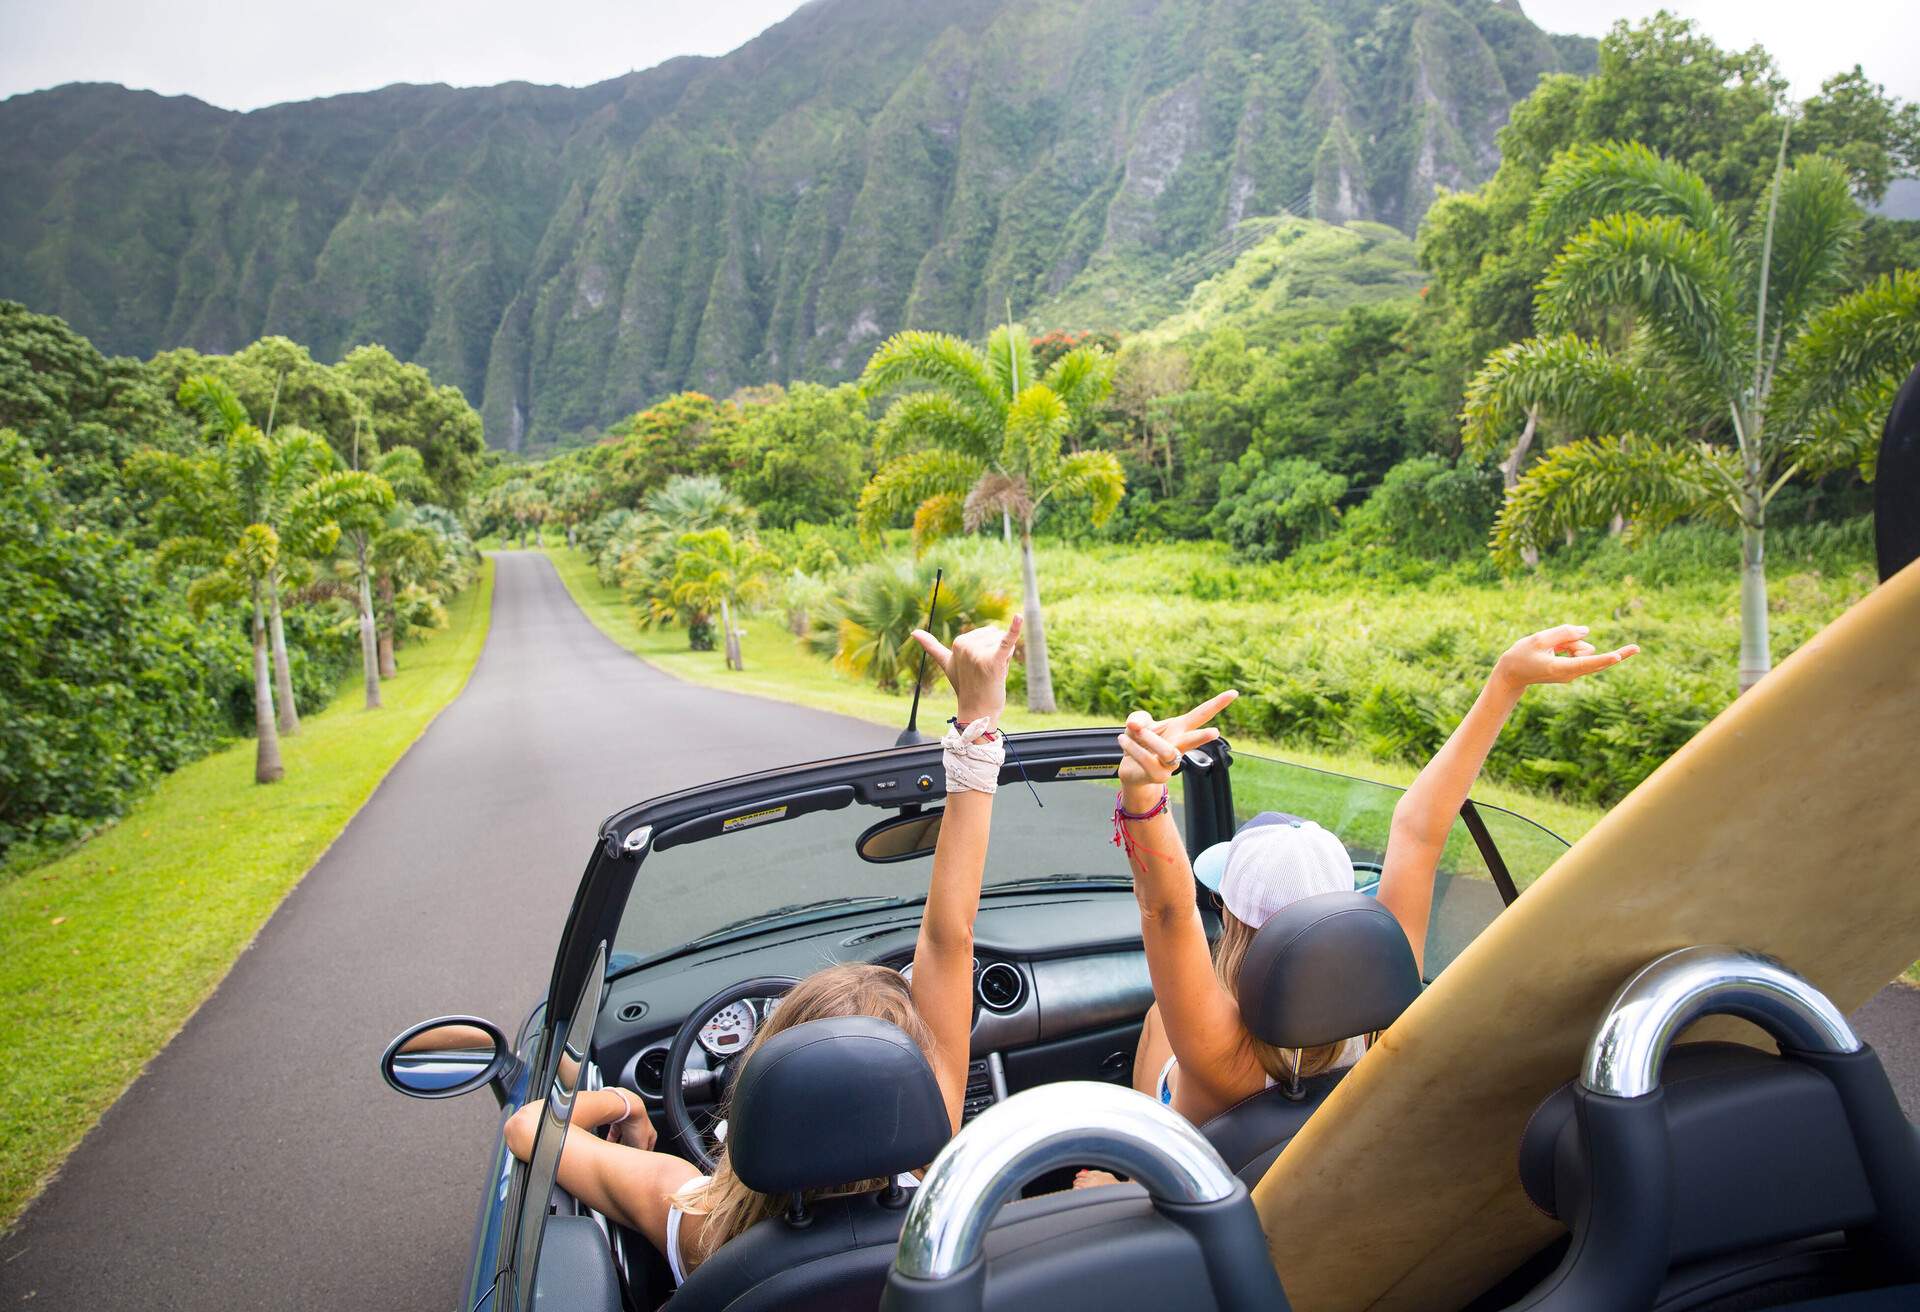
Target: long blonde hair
point(851, 989)
point(1236, 936)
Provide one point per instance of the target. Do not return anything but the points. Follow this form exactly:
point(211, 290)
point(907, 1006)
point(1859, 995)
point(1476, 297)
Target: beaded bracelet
point(1122, 836)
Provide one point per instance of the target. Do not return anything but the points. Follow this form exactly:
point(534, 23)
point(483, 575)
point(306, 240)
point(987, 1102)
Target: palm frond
point(1675, 279)
point(256, 552)
point(1595, 180)
point(935, 419)
point(1095, 475)
point(212, 589)
point(179, 554)
point(1813, 244)
point(1576, 383)
point(1585, 484)
point(1841, 373)
point(1010, 359)
point(1037, 423)
point(215, 403)
point(939, 516)
point(1082, 378)
point(351, 499)
point(405, 471)
point(940, 361)
point(905, 482)
point(1813, 239)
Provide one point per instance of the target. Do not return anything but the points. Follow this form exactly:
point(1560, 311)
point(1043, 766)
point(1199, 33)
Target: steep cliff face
point(566, 255)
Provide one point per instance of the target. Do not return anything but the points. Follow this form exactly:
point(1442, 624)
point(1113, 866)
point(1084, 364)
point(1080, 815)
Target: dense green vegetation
point(173, 572)
point(1315, 434)
point(105, 952)
point(566, 256)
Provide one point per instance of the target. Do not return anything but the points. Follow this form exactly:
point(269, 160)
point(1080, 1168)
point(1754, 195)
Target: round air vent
point(1001, 987)
point(650, 1072)
point(633, 1011)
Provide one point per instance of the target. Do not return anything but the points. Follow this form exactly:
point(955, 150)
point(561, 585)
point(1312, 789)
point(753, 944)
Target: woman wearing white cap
point(1195, 1054)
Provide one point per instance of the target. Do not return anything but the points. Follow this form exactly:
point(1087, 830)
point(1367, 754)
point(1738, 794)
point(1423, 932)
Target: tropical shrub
point(1267, 510)
point(106, 684)
point(866, 627)
point(1432, 507)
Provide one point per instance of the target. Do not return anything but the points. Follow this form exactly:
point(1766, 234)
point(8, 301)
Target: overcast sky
point(246, 53)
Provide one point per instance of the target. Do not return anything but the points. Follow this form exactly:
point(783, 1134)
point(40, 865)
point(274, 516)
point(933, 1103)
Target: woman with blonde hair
point(1194, 1054)
point(688, 1216)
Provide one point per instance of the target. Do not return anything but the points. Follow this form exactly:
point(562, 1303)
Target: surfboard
point(1791, 824)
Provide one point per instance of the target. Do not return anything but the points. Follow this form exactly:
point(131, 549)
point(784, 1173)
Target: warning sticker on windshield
point(1087, 772)
point(752, 818)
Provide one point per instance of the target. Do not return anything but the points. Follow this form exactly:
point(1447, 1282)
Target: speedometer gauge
point(730, 1030)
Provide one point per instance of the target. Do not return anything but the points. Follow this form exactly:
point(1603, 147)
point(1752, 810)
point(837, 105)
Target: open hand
point(1151, 749)
point(976, 666)
point(1558, 655)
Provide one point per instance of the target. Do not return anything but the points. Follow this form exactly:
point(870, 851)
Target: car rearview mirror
point(445, 1057)
point(900, 837)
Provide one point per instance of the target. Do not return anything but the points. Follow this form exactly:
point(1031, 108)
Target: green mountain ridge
point(566, 255)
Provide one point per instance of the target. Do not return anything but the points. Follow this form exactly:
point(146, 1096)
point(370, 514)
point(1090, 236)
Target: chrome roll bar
point(1074, 1123)
point(1669, 993)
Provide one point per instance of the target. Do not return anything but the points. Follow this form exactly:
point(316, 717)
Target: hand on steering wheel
point(679, 1118)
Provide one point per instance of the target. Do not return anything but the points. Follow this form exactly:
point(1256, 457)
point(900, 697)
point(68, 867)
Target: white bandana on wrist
point(973, 761)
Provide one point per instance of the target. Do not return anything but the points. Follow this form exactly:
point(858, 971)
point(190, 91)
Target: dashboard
point(1060, 989)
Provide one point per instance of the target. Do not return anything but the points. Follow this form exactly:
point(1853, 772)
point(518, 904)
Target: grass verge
point(106, 951)
point(777, 668)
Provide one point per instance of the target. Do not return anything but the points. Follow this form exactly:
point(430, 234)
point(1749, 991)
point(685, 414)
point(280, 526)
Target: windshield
point(1360, 813)
point(696, 889)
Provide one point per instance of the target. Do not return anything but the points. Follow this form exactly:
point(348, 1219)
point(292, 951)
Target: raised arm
point(1425, 814)
point(943, 957)
point(1202, 1023)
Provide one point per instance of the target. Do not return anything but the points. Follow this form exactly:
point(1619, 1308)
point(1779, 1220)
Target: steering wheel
point(679, 1119)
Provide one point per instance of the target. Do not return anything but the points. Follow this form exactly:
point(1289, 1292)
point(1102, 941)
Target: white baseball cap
point(1271, 862)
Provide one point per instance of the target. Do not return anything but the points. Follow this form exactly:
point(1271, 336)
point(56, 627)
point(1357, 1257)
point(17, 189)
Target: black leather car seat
point(817, 1106)
point(1745, 1180)
point(1325, 969)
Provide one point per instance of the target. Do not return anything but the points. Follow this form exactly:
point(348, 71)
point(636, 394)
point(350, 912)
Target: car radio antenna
point(911, 734)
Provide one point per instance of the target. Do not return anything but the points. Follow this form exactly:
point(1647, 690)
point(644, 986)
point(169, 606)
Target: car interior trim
point(1671, 992)
point(1071, 1123)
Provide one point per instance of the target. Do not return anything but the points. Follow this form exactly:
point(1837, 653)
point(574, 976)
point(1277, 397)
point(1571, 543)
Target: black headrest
point(1325, 969)
point(829, 1102)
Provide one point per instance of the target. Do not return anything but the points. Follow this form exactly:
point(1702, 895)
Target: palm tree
point(289, 501)
point(407, 561)
point(213, 509)
point(713, 569)
point(1740, 365)
point(363, 503)
point(985, 431)
point(648, 554)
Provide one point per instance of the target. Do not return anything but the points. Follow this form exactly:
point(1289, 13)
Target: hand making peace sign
point(1151, 749)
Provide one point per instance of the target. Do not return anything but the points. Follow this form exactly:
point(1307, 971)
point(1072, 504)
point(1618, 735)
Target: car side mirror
point(900, 837)
point(446, 1057)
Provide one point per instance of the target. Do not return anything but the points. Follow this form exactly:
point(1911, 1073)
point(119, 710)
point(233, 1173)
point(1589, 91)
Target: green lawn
point(105, 952)
point(778, 668)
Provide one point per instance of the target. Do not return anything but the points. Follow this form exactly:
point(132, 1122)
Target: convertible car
point(699, 909)
point(672, 957)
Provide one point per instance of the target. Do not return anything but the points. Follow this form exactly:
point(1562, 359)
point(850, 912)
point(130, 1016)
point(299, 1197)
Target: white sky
point(246, 53)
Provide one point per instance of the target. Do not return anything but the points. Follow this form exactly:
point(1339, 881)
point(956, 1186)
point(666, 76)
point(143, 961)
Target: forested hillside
point(565, 256)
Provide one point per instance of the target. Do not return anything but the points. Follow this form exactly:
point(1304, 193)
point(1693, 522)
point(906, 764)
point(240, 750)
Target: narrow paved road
point(260, 1162)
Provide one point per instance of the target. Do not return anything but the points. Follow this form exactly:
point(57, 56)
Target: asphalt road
point(260, 1162)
